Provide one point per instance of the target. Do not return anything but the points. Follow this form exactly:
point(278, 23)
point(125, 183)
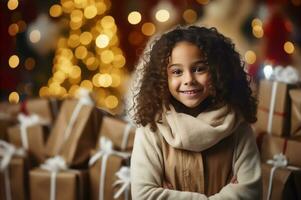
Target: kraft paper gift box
point(69, 185)
point(13, 172)
point(272, 145)
point(74, 133)
point(273, 107)
point(121, 133)
point(40, 107)
point(285, 183)
point(8, 117)
point(36, 136)
point(104, 165)
point(295, 96)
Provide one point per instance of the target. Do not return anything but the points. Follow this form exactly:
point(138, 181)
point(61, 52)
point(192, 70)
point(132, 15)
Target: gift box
point(40, 107)
point(285, 183)
point(104, 165)
point(272, 145)
point(75, 132)
point(121, 133)
point(273, 107)
point(295, 96)
point(16, 178)
point(36, 137)
point(69, 185)
point(8, 117)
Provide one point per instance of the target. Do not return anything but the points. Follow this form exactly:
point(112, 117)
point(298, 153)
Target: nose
point(188, 79)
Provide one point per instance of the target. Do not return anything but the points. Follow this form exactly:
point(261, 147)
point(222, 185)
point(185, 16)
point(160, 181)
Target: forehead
point(186, 50)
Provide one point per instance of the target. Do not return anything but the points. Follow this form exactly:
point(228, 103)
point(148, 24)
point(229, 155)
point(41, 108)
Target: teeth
point(189, 92)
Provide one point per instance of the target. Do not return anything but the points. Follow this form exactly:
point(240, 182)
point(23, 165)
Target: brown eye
point(176, 72)
point(200, 69)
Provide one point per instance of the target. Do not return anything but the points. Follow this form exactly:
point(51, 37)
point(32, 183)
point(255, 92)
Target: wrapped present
point(75, 131)
point(280, 181)
point(104, 164)
point(8, 117)
point(124, 183)
point(13, 171)
point(40, 107)
point(55, 181)
point(295, 96)
point(273, 107)
point(119, 132)
point(272, 145)
point(31, 135)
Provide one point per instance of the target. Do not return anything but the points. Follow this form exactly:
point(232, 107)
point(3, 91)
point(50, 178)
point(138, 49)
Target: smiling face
point(188, 76)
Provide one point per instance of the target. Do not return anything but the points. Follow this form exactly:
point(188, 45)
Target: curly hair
point(230, 81)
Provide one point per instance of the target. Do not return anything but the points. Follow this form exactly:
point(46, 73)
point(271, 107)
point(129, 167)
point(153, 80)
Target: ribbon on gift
point(105, 150)
point(25, 122)
point(124, 180)
point(272, 107)
point(7, 152)
point(278, 161)
point(84, 99)
point(54, 165)
point(285, 74)
point(125, 136)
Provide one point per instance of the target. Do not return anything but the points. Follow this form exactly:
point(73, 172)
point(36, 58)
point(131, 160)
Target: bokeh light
point(289, 47)
point(148, 29)
point(13, 61)
point(35, 36)
point(13, 98)
point(134, 17)
point(250, 57)
point(162, 15)
point(190, 16)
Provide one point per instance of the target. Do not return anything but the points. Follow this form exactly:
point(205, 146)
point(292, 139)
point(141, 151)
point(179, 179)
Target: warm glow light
point(13, 29)
point(119, 61)
point(289, 47)
point(250, 57)
point(75, 72)
point(44, 91)
point(76, 16)
point(90, 12)
point(105, 80)
point(13, 98)
point(81, 52)
point(102, 41)
point(73, 40)
point(13, 61)
point(111, 102)
point(35, 36)
point(12, 4)
point(96, 80)
point(85, 38)
point(256, 22)
point(101, 7)
point(29, 63)
point(190, 16)
point(162, 15)
point(107, 56)
point(55, 10)
point(87, 84)
point(134, 17)
point(296, 2)
point(257, 31)
point(116, 80)
point(148, 29)
point(107, 22)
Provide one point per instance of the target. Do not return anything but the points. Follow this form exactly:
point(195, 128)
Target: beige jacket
point(196, 158)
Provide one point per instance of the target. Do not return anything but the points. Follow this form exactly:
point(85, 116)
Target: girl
point(193, 109)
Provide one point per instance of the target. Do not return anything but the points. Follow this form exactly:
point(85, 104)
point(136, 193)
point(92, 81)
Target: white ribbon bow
point(7, 152)
point(285, 74)
point(124, 179)
point(26, 121)
point(105, 150)
point(54, 165)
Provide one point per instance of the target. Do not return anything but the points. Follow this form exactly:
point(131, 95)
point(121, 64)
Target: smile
point(190, 92)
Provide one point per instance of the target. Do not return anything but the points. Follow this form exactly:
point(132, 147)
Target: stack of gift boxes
point(278, 132)
point(51, 149)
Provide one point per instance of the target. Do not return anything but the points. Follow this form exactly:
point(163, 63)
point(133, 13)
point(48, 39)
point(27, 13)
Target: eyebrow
point(178, 64)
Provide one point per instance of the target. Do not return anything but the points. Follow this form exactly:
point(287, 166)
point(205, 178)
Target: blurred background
point(52, 48)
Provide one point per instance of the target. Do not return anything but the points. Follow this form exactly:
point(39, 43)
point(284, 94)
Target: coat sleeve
point(247, 168)
point(147, 171)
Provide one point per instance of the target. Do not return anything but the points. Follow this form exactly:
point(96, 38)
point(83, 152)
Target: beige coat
point(195, 158)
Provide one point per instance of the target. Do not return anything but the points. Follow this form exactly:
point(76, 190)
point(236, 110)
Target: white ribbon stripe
point(105, 150)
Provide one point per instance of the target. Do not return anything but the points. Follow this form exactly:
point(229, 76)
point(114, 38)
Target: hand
point(167, 185)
